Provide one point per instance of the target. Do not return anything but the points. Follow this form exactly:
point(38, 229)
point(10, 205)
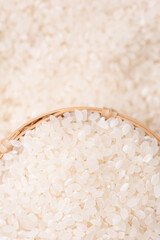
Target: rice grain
point(81, 177)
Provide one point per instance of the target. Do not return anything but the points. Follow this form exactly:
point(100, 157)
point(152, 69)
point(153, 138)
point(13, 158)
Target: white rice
point(79, 52)
point(81, 177)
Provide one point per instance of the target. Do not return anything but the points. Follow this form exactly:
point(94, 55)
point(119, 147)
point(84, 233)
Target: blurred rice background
point(79, 52)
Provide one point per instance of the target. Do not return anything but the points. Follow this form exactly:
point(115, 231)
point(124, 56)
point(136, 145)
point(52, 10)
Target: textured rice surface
point(81, 177)
point(79, 52)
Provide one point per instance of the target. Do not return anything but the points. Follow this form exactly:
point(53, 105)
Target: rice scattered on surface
point(81, 177)
point(70, 53)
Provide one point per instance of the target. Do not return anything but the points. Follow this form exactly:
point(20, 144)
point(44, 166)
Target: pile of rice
point(81, 177)
point(60, 53)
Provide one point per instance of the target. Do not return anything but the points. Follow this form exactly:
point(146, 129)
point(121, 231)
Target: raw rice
point(81, 177)
point(60, 53)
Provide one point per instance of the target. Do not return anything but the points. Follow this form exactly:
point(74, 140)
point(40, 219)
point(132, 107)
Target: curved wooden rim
point(106, 112)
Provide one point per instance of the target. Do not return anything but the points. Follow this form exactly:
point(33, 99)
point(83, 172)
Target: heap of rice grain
point(60, 53)
point(81, 177)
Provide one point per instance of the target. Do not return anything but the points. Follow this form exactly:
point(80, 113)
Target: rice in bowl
point(81, 177)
